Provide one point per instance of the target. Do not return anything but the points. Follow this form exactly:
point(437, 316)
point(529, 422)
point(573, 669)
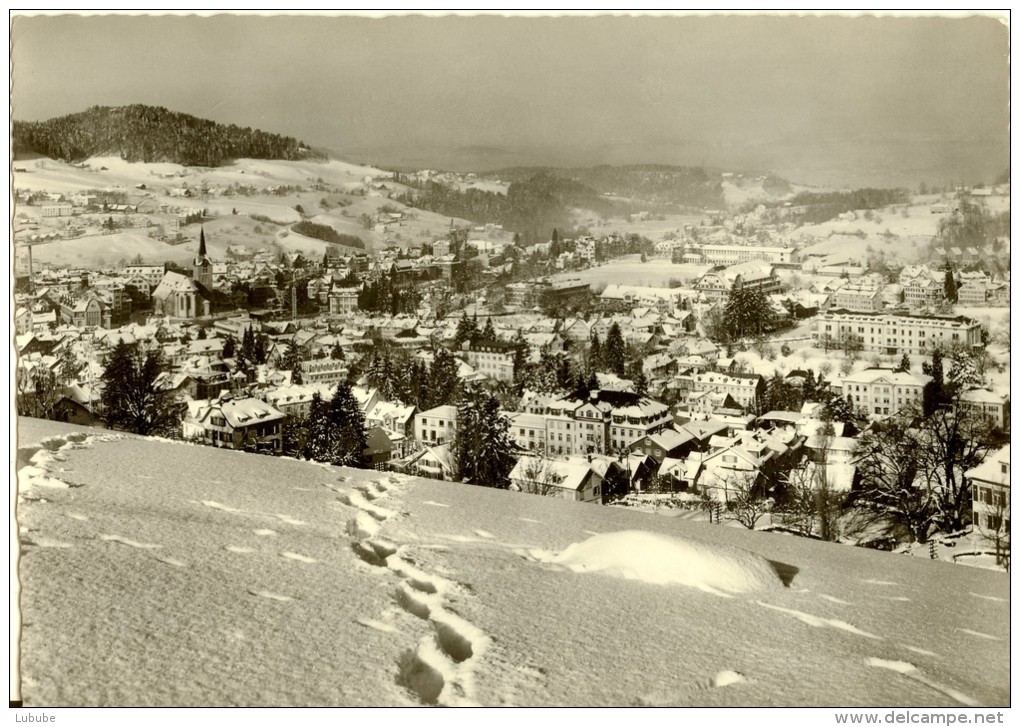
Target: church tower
point(201, 267)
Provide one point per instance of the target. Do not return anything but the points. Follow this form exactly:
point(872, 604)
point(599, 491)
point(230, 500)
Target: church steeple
point(201, 268)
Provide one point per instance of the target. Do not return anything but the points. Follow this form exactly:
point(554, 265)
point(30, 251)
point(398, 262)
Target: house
point(435, 462)
point(249, 424)
point(988, 405)
point(436, 426)
point(570, 480)
point(378, 448)
point(666, 443)
point(990, 487)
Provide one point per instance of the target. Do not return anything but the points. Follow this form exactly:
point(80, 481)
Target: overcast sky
point(347, 82)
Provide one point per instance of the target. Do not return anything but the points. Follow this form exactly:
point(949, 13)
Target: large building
point(882, 392)
point(730, 254)
point(178, 296)
point(718, 283)
point(492, 359)
point(896, 333)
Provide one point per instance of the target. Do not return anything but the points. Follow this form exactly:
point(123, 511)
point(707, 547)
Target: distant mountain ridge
point(140, 133)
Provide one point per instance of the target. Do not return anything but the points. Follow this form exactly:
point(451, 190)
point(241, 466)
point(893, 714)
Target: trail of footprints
point(439, 669)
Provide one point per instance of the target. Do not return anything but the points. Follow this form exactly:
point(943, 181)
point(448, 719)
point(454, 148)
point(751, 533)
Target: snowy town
point(759, 377)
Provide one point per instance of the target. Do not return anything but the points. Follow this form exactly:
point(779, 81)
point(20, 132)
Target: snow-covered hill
point(156, 573)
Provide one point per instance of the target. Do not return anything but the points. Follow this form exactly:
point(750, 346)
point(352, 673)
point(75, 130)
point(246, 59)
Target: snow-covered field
point(157, 573)
point(629, 270)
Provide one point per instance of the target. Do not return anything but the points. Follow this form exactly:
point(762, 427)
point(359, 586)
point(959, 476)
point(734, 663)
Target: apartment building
point(895, 333)
point(882, 392)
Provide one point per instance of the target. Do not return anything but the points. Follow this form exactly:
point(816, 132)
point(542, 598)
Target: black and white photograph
point(576, 359)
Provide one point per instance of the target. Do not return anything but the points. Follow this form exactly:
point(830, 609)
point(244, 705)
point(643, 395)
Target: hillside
point(156, 573)
point(139, 133)
point(656, 186)
point(538, 202)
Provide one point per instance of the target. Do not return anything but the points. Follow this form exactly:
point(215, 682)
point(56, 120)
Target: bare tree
point(539, 477)
point(746, 501)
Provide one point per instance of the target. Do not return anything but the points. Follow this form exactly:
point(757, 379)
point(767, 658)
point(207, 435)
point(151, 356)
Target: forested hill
point(539, 202)
point(657, 184)
point(141, 133)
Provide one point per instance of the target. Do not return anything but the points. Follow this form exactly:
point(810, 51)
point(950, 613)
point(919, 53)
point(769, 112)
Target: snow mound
point(663, 560)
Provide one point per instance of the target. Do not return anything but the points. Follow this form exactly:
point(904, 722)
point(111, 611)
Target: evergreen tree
point(131, 399)
point(291, 361)
point(905, 362)
point(950, 284)
point(444, 381)
point(201, 335)
point(595, 351)
point(811, 386)
point(467, 330)
point(747, 313)
point(337, 353)
point(522, 353)
point(229, 347)
point(489, 332)
point(641, 383)
point(485, 452)
point(615, 351)
point(317, 437)
point(261, 348)
point(347, 429)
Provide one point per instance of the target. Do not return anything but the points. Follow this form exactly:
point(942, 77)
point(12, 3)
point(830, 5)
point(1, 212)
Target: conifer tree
point(292, 362)
point(229, 347)
point(444, 381)
point(489, 332)
point(485, 452)
point(595, 351)
point(131, 398)
point(347, 429)
point(615, 351)
point(317, 439)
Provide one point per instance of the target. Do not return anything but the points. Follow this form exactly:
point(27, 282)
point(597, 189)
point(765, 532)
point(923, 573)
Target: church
point(179, 296)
